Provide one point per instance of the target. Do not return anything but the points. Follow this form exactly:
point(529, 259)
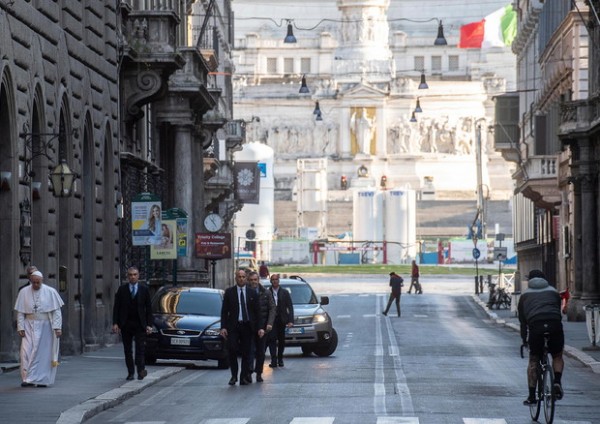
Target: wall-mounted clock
point(213, 222)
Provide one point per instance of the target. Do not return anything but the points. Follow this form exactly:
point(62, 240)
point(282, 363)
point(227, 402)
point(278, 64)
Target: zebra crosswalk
point(331, 420)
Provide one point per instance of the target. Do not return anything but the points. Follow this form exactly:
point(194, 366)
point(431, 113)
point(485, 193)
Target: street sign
point(476, 253)
point(250, 234)
point(500, 253)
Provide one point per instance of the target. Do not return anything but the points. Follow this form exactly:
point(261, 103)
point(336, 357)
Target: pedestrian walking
point(259, 339)
point(284, 317)
point(414, 279)
point(132, 318)
point(240, 318)
point(396, 283)
point(39, 323)
point(263, 270)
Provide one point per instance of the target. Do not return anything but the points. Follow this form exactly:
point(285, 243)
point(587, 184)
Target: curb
point(570, 351)
point(112, 398)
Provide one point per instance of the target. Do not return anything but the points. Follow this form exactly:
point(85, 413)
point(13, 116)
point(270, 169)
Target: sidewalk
point(95, 381)
point(577, 342)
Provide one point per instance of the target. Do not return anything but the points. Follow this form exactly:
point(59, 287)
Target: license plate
point(180, 341)
point(294, 330)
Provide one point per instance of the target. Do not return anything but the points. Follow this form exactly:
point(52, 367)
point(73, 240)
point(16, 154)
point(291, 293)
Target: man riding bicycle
point(539, 313)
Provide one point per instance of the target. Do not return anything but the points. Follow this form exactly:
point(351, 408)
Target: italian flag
point(498, 29)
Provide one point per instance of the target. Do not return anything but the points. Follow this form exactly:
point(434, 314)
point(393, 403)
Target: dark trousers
point(277, 342)
point(238, 343)
point(257, 353)
point(129, 334)
point(391, 300)
point(414, 282)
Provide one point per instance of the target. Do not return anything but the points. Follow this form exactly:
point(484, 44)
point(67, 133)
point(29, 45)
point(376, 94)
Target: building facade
point(553, 201)
point(133, 98)
point(361, 65)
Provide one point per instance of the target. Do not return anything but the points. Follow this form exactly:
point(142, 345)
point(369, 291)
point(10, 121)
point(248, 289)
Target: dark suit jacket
point(285, 308)
point(122, 302)
point(230, 309)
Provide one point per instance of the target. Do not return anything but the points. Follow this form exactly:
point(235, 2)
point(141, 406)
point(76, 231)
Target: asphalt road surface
point(442, 361)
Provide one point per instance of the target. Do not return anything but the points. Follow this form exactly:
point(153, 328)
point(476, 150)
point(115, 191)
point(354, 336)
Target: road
point(442, 362)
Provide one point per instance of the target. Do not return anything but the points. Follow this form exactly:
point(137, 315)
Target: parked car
point(187, 321)
point(313, 328)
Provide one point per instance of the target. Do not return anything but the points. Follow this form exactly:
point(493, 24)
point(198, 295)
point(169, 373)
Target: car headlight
point(212, 332)
point(319, 318)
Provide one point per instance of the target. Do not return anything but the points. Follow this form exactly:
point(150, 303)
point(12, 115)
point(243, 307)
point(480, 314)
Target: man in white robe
point(39, 323)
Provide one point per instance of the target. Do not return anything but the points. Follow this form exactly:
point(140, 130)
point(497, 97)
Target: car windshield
point(188, 303)
point(301, 294)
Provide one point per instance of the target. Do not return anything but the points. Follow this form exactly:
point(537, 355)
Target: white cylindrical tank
point(400, 225)
point(258, 217)
point(367, 221)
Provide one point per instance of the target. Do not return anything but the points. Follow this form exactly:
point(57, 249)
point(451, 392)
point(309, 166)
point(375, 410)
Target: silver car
point(313, 328)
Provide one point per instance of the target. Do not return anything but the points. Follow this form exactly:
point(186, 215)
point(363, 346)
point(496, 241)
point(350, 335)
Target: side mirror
point(324, 300)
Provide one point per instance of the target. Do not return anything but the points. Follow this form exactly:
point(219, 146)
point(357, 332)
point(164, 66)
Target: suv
point(313, 329)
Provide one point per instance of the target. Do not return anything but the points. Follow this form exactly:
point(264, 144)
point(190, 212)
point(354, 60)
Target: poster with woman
point(146, 220)
point(166, 248)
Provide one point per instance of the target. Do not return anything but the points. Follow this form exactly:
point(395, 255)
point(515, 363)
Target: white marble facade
point(362, 65)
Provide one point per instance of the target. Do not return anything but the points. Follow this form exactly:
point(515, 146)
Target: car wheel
point(150, 360)
point(223, 364)
point(329, 348)
point(306, 350)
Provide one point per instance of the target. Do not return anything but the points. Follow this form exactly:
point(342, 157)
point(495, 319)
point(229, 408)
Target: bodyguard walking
point(132, 318)
point(284, 317)
point(259, 338)
point(396, 283)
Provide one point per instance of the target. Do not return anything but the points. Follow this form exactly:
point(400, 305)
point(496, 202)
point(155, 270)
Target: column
point(183, 186)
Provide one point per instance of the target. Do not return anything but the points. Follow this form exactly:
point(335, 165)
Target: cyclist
point(539, 312)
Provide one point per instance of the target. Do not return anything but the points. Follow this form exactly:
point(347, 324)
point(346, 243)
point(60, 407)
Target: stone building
point(549, 137)
point(133, 98)
point(361, 65)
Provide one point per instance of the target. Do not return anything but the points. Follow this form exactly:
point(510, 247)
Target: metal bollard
point(481, 284)
point(476, 285)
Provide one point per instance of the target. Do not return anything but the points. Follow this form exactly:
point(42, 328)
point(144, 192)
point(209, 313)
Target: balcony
point(537, 179)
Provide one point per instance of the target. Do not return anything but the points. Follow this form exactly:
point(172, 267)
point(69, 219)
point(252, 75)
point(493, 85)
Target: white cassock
point(38, 314)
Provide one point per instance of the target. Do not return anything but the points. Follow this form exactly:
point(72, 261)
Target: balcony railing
point(541, 167)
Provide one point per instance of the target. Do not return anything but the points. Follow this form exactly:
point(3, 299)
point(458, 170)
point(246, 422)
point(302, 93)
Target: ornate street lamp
point(62, 179)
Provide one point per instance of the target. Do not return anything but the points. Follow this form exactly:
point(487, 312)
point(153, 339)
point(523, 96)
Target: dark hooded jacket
point(540, 302)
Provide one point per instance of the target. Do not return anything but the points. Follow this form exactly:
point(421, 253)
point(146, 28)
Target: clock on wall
point(213, 222)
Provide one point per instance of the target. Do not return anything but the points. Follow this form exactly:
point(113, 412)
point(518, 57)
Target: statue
point(363, 129)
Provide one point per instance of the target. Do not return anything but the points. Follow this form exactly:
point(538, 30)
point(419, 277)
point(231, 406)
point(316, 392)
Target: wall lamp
point(423, 84)
point(38, 144)
point(413, 118)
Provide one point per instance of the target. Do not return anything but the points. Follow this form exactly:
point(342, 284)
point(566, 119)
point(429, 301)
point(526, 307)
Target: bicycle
point(544, 385)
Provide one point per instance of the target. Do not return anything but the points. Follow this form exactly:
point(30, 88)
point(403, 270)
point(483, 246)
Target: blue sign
point(476, 253)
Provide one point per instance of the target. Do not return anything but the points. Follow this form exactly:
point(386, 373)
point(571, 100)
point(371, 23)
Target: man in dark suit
point(240, 319)
point(284, 317)
point(132, 318)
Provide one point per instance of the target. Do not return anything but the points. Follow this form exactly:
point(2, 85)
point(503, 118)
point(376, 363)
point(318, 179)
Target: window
point(419, 63)
point(436, 63)
point(453, 63)
point(305, 65)
point(271, 65)
point(288, 65)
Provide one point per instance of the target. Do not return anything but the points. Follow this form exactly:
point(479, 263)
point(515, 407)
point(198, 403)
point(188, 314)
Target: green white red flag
point(498, 29)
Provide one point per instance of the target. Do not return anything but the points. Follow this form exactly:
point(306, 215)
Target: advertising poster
point(247, 182)
point(146, 218)
point(182, 238)
point(213, 245)
point(166, 248)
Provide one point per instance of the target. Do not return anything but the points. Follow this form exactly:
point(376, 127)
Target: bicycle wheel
point(534, 410)
point(548, 382)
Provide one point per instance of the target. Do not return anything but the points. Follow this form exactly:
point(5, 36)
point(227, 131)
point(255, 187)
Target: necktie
point(243, 305)
point(133, 290)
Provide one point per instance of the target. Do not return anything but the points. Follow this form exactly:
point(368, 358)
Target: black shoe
point(384, 313)
point(142, 374)
point(243, 382)
point(232, 381)
point(280, 363)
point(24, 384)
point(129, 377)
point(247, 379)
point(41, 385)
point(273, 365)
point(530, 401)
point(557, 391)
point(259, 378)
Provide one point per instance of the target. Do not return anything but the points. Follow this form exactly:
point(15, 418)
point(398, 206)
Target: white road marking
point(313, 420)
point(483, 421)
point(397, 420)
